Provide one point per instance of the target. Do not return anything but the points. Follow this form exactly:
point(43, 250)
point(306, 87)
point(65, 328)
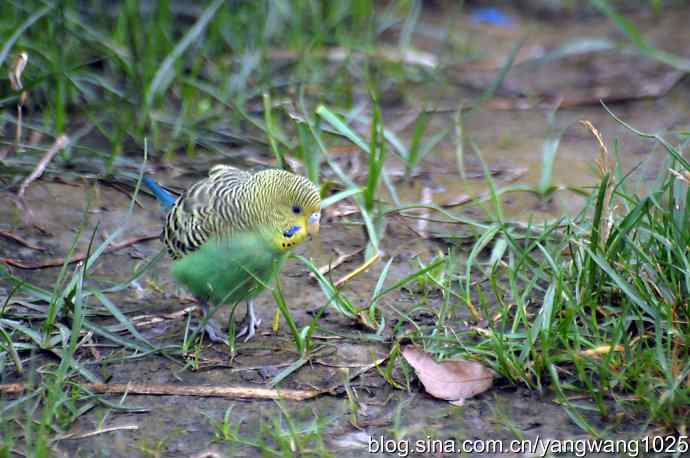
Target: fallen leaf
point(454, 380)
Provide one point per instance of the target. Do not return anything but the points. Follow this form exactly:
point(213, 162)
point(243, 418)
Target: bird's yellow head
point(292, 205)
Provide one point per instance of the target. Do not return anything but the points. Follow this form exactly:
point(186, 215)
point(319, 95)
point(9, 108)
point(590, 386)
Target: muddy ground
point(509, 131)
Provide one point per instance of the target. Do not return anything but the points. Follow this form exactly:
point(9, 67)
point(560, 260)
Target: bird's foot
point(214, 333)
point(249, 323)
point(211, 329)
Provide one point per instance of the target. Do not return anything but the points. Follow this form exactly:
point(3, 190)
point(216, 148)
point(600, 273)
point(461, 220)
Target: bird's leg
point(211, 328)
point(249, 323)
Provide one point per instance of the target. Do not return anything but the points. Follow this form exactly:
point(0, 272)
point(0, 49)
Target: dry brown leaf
point(450, 380)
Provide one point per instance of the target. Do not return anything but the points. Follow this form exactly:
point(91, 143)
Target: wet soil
point(510, 140)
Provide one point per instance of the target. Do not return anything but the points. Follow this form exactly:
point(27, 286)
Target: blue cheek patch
point(292, 231)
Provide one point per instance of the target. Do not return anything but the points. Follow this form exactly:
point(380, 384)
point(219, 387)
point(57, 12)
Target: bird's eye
point(296, 209)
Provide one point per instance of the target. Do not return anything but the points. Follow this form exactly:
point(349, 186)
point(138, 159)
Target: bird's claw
point(249, 324)
point(215, 335)
point(247, 327)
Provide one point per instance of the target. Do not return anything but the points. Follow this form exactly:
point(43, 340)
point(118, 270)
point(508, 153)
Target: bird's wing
point(203, 210)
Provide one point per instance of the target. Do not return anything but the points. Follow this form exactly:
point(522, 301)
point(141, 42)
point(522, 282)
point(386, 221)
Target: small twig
point(98, 431)
point(15, 77)
point(456, 201)
point(365, 368)
point(78, 257)
point(320, 337)
point(331, 266)
point(339, 213)
point(144, 321)
point(60, 143)
point(232, 392)
point(20, 240)
point(351, 366)
point(210, 364)
point(165, 389)
point(370, 262)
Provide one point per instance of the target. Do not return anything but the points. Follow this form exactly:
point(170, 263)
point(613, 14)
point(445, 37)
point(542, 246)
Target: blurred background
point(465, 201)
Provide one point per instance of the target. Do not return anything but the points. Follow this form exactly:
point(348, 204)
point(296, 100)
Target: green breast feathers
point(227, 270)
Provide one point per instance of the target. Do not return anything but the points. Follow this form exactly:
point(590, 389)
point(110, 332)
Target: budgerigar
point(230, 233)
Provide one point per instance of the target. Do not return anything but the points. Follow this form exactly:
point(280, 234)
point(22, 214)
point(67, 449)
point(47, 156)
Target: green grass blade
point(549, 151)
point(342, 128)
point(165, 73)
point(623, 284)
point(636, 37)
point(7, 47)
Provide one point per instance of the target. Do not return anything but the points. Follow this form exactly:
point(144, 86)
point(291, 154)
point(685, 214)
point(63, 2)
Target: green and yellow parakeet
point(230, 233)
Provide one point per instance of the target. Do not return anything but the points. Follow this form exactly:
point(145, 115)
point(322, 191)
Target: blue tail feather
point(164, 197)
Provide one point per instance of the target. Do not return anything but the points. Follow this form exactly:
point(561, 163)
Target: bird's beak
point(314, 223)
